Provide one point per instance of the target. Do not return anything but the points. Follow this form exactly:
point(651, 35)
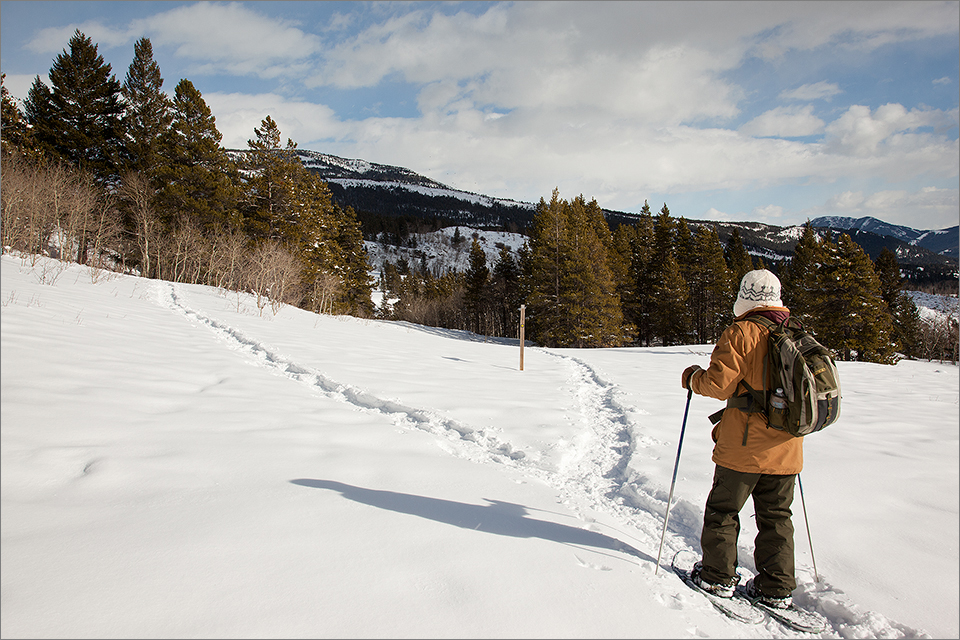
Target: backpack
point(804, 394)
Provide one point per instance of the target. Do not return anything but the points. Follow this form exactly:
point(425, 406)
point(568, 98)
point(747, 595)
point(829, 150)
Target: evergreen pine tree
point(664, 235)
point(38, 112)
point(271, 171)
point(598, 317)
point(903, 311)
point(621, 257)
point(800, 280)
point(710, 285)
point(506, 292)
point(81, 119)
point(477, 292)
point(852, 317)
point(545, 261)
point(194, 177)
point(643, 274)
point(149, 110)
point(356, 285)
point(683, 248)
point(285, 202)
point(672, 320)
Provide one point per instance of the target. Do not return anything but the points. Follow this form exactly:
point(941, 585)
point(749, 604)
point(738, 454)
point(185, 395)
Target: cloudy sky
point(766, 111)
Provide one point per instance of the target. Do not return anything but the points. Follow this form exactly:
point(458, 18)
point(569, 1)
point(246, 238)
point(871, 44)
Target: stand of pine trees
point(123, 177)
point(657, 282)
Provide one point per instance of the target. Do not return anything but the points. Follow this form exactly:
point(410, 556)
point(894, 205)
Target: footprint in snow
point(588, 565)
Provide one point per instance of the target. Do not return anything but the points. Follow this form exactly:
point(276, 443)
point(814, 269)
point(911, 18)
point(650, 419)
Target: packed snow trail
point(593, 470)
point(401, 414)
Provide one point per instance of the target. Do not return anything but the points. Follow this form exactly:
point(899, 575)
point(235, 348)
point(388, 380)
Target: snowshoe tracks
point(595, 463)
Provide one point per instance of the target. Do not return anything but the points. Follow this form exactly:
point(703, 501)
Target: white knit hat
point(758, 288)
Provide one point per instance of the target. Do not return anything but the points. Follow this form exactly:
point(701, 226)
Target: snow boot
point(721, 590)
point(754, 594)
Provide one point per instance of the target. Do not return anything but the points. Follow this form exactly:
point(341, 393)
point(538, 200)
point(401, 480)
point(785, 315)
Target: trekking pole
point(816, 576)
point(666, 516)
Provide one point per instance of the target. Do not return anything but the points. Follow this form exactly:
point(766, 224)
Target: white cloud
point(213, 37)
point(54, 40)
point(714, 214)
point(771, 214)
point(556, 56)
point(816, 91)
point(238, 114)
point(861, 132)
point(860, 26)
point(785, 122)
point(230, 38)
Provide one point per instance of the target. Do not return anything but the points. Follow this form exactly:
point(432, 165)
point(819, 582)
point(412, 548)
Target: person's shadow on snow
point(500, 518)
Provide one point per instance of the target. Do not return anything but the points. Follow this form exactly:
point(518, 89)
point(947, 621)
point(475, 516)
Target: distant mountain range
point(941, 241)
point(389, 191)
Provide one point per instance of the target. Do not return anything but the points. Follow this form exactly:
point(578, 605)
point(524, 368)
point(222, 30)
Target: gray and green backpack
point(803, 396)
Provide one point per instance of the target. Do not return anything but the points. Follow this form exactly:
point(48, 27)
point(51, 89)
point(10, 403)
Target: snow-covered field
point(176, 465)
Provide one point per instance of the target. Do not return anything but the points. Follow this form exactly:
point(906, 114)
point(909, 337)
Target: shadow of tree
point(497, 517)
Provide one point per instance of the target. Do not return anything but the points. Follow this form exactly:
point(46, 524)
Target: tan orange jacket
point(739, 355)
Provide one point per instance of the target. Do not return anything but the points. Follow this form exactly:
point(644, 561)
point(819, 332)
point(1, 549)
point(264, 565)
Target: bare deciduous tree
point(136, 192)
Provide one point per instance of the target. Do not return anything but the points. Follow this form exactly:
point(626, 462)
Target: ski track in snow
point(592, 473)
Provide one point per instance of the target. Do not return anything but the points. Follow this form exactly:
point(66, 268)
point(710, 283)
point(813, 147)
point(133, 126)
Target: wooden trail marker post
point(523, 308)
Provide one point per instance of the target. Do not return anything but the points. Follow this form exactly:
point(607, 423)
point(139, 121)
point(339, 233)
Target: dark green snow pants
point(772, 497)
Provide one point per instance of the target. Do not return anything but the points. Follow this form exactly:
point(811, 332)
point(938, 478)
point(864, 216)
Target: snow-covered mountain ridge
point(941, 241)
point(355, 173)
point(353, 180)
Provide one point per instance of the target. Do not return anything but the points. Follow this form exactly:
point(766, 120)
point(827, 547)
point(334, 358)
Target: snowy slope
point(438, 251)
point(176, 465)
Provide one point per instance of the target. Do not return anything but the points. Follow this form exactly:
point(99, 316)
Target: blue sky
point(756, 111)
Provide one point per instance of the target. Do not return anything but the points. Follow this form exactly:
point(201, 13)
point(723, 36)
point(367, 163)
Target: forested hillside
point(121, 176)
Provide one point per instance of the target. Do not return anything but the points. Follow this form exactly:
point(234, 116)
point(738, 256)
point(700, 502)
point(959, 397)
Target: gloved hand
point(689, 371)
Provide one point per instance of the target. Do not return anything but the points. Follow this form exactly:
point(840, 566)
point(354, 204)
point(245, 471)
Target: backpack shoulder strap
point(763, 321)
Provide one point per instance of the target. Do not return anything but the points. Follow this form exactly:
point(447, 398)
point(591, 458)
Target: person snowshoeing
point(752, 459)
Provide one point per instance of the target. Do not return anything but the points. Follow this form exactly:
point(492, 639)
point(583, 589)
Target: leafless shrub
point(272, 275)
point(48, 270)
point(939, 339)
point(137, 194)
point(76, 199)
point(50, 209)
point(179, 254)
point(29, 219)
point(324, 291)
point(226, 256)
point(103, 238)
